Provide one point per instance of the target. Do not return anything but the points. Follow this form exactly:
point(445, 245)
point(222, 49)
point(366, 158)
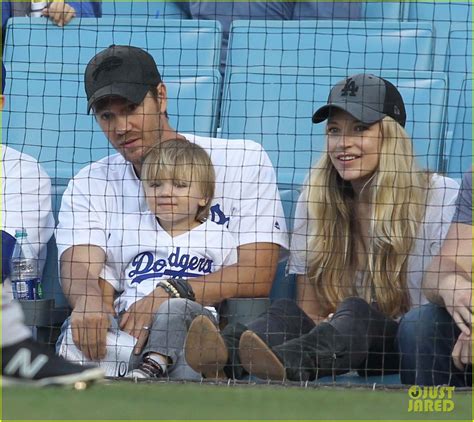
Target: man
point(26, 202)
point(128, 97)
point(435, 340)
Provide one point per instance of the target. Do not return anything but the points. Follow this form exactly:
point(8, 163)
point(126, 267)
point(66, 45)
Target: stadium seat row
point(277, 73)
point(434, 11)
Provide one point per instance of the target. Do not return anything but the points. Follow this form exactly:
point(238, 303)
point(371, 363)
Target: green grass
point(171, 401)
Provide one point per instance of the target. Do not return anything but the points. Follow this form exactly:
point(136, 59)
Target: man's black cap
point(122, 71)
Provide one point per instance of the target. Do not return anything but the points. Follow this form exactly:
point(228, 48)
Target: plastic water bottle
point(24, 269)
point(37, 8)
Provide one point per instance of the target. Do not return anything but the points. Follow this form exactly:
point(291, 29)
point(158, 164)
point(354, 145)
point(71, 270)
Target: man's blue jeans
point(426, 338)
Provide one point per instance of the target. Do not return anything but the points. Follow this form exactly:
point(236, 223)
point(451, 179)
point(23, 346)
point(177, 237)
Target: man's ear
point(203, 202)
point(162, 97)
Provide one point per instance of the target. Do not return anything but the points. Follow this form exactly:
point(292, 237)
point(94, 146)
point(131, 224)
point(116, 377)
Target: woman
point(367, 223)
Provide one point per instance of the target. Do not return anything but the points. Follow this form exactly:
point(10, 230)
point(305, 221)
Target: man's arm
point(251, 276)
point(80, 269)
point(447, 281)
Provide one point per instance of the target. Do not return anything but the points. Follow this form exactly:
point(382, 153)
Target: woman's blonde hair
point(398, 192)
point(179, 159)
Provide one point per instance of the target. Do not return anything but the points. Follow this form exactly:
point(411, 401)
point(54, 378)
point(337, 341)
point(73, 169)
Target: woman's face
point(353, 147)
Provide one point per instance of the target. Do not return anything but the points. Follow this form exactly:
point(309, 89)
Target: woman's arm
point(307, 300)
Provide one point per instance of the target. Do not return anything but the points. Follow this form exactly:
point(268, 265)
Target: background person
point(26, 202)
point(367, 223)
point(436, 339)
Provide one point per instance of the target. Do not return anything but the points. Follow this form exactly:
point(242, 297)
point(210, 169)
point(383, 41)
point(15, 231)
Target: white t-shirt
point(26, 199)
point(439, 212)
point(147, 254)
point(104, 195)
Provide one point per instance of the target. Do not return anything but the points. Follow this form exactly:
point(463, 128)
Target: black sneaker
point(30, 363)
point(148, 368)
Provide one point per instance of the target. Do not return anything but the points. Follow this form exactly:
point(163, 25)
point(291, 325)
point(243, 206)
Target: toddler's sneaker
point(148, 368)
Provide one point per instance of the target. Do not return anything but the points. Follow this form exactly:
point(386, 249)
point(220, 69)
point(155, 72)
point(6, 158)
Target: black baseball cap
point(120, 70)
point(366, 97)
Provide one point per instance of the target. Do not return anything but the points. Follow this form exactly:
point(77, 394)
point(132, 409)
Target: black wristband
point(183, 287)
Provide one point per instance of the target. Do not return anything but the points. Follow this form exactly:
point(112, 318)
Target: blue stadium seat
point(180, 44)
point(452, 22)
point(459, 147)
point(274, 106)
point(149, 9)
point(458, 67)
point(284, 284)
point(387, 45)
point(443, 11)
point(384, 10)
point(444, 16)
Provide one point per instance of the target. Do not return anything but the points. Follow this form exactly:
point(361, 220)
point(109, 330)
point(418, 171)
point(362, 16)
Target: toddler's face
point(174, 202)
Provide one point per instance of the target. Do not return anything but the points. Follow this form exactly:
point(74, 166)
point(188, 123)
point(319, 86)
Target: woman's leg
point(330, 348)
point(168, 334)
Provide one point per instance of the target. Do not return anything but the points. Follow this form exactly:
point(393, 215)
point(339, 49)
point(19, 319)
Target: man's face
point(131, 129)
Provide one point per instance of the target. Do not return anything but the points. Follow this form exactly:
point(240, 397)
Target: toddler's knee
point(176, 306)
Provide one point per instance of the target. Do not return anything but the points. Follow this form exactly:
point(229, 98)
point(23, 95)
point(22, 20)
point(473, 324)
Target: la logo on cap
point(350, 88)
point(108, 64)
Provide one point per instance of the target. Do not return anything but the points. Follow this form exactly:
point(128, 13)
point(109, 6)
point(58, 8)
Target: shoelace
point(151, 367)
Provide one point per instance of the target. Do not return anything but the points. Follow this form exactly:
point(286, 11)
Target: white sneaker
point(137, 374)
point(149, 368)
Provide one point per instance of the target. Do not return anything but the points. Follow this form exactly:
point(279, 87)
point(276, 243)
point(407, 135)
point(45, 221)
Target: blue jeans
point(426, 338)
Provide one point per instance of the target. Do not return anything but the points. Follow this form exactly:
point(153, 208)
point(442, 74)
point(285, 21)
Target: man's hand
point(89, 324)
point(140, 315)
point(462, 352)
point(456, 295)
point(60, 13)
